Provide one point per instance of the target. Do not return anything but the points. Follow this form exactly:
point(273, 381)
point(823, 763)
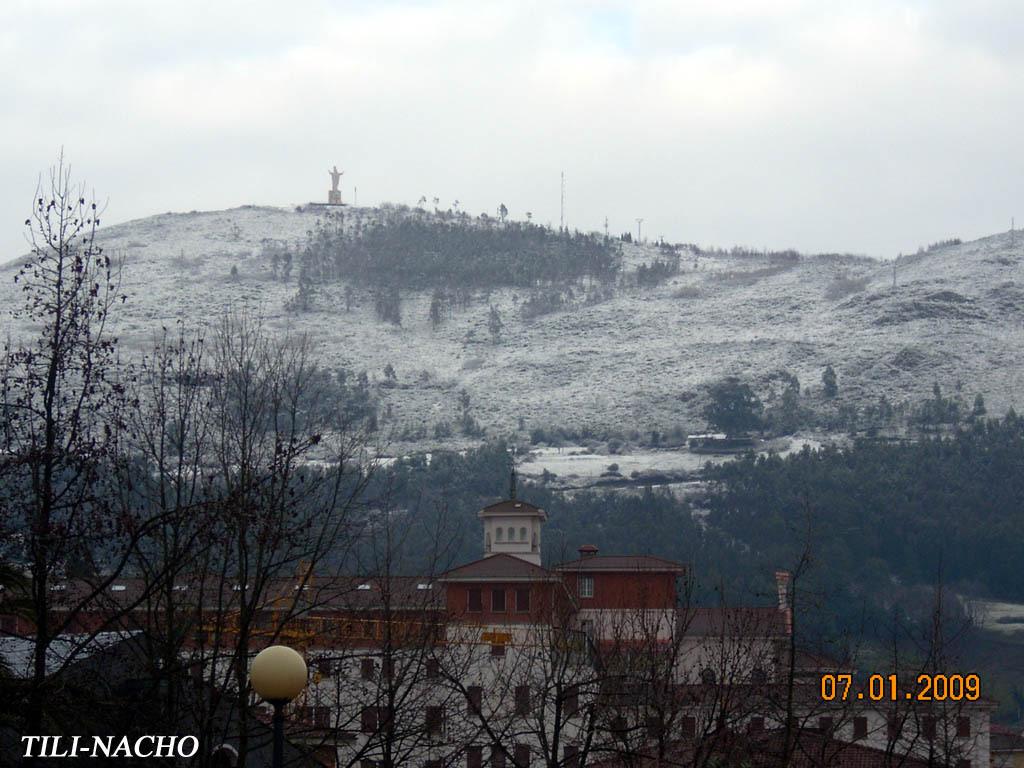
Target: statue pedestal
point(334, 197)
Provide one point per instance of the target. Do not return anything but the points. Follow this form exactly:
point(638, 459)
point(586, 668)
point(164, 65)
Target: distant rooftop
point(512, 507)
point(625, 563)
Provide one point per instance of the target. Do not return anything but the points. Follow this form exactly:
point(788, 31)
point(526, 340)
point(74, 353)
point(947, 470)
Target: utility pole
point(355, 197)
point(605, 227)
point(894, 262)
point(639, 224)
point(1012, 238)
point(561, 216)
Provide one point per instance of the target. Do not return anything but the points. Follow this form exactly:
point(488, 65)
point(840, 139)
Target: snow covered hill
point(637, 360)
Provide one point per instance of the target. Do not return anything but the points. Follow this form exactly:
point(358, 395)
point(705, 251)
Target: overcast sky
point(870, 127)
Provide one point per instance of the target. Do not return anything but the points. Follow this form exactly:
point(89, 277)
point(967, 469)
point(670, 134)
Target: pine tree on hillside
point(830, 385)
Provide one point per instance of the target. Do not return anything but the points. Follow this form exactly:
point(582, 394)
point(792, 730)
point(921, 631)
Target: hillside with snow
point(635, 360)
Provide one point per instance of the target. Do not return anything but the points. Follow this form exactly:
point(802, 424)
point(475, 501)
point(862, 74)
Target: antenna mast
point(639, 224)
point(561, 216)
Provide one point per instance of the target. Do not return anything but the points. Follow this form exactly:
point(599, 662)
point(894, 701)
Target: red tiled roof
point(1003, 739)
point(512, 507)
point(501, 566)
point(810, 750)
point(734, 622)
point(623, 563)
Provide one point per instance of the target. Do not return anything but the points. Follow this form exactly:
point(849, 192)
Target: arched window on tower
point(501, 532)
point(522, 534)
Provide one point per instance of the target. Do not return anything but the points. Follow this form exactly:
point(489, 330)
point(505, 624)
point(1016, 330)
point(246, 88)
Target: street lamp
point(278, 675)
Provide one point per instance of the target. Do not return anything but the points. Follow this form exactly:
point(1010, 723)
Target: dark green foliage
point(899, 509)
point(495, 325)
point(829, 384)
point(387, 303)
point(734, 408)
point(939, 410)
point(412, 251)
point(658, 271)
point(979, 407)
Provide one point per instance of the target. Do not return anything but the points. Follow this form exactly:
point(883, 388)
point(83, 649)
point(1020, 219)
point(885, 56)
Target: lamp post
point(278, 675)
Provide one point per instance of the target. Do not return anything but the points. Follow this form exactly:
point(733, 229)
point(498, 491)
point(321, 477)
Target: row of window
point(499, 534)
point(368, 668)
point(475, 600)
point(372, 717)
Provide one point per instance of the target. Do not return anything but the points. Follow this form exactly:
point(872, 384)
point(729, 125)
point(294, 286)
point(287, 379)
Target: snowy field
point(578, 465)
point(1005, 618)
point(638, 361)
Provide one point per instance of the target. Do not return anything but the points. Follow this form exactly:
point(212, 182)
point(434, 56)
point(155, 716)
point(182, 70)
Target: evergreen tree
point(495, 325)
point(734, 408)
point(979, 410)
point(830, 385)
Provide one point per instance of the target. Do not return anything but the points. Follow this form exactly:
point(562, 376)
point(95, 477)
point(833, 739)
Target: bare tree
point(63, 403)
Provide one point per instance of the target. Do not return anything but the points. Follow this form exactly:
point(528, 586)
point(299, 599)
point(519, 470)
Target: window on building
point(435, 721)
point(928, 727)
point(860, 728)
point(758, 676)
point(707, 676)
point(476, 600)
point(522, 700)
point(433, 669)
point(433, 764)
point(572, 756)
point(498, 650)
point(500, 536)
point(572, 700)
point(367, 764)
point(689, 727)
point(523, 600)
point(825, 724)
point(324, 665)
point(498, 600)
point(366, 669)
point(521, 754)
point(963, 764)
point(522, 534)
point(475, 696)
point(963, 727)
point(894, 728)
point(474, 757)
point(755, 725)
point(322, 717)
point(368, 720)
point(497, 755)
point(586, 586)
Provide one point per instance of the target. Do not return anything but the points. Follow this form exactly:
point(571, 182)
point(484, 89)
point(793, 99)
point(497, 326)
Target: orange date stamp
point(926, 687)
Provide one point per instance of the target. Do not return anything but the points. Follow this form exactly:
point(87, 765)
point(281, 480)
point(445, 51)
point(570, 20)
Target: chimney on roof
point(587, 550)
point(782, 579)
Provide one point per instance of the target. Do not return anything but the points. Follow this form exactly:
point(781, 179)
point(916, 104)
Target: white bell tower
point(513, 527)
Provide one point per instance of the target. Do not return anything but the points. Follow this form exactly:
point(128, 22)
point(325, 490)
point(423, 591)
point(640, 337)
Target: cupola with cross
point(513, 527)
